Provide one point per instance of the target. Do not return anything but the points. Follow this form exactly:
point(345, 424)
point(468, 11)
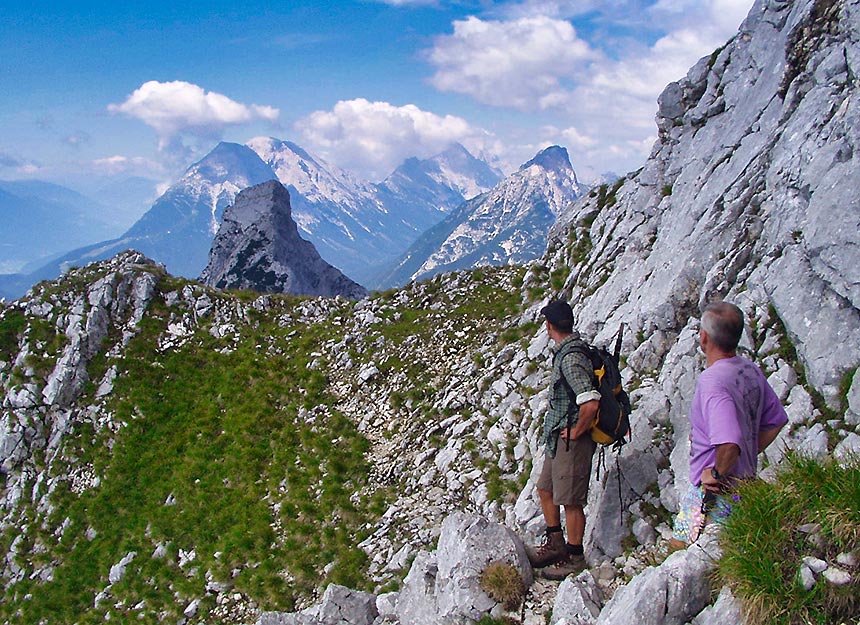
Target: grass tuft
point(503, 582)
point(763, 545)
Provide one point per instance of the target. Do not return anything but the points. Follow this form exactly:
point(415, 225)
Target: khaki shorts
point(566, 476)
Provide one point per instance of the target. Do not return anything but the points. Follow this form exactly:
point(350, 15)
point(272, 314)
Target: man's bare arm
point(766, 437)
point(587, 412)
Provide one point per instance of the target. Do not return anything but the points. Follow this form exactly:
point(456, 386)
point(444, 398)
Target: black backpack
point(612, 424)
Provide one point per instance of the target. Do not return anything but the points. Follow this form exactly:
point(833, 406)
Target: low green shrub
point(763, 546)
point(12, 325)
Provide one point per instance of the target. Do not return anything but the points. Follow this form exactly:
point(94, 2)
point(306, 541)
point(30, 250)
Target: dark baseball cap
point(558, 313)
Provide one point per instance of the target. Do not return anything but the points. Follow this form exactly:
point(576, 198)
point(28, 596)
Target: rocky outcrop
point(670, 594)
point(54, 362)
point(746, 196)
point(64, 326)
point(258, 247)
point(746, 187)
point(445, 586)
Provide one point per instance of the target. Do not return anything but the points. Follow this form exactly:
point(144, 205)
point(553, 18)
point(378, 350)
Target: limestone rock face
point(258, 247)
point(749, 183)
point(749, 196)
point(669, 594)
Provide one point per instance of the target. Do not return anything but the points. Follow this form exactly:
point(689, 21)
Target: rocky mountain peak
point(258, 247)
point(554, 158)
point(226, 162)
point(507, 224)
point(268, 147)
point(453, 173)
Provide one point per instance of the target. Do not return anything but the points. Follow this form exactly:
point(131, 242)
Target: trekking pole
point(617, 354)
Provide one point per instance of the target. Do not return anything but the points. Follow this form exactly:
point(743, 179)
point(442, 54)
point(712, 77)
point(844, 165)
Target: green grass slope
point(218, 478)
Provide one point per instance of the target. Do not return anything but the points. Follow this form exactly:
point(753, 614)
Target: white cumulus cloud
point(559, 8)
point(577, 140)
point(523, 63)
point(602, 92)
point(373, 138)
point(177, 107)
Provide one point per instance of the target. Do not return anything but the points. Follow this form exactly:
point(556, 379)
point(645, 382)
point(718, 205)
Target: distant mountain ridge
point(356, 226)
point(359, 226)
point(179, 228)
point(508, 224)
point(444, 180)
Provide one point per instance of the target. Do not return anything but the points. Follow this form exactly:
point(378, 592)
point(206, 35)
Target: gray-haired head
point(724, 324)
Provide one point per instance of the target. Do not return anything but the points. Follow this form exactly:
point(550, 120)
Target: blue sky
point(99, 91)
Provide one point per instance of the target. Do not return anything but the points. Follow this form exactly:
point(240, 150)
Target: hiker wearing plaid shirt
point(569, 448)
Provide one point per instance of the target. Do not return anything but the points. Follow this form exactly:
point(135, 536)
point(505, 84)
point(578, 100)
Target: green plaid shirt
point(577, 370)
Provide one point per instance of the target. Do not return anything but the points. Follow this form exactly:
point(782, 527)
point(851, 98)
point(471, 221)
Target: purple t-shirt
point(732, 404)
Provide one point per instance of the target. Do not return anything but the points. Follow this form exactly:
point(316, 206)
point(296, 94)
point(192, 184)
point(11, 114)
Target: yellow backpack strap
point(599, 373)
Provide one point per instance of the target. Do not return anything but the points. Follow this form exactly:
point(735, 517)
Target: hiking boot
point(551, 551)
point(570, 565)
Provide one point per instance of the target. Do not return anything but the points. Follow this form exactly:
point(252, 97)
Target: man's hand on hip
point(710, 483)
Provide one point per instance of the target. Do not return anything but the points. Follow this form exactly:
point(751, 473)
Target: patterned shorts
point(696, 510)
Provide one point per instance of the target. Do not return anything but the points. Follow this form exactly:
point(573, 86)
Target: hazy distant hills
point(179, 227)
point(40, 220)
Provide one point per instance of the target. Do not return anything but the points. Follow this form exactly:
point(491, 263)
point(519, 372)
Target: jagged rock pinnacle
point(258, 247)
point(554, 158)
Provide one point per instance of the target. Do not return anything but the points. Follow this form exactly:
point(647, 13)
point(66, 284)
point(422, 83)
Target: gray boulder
point(340, 606)
point(578, 601)
point(444, 587)
point(343, 606)
point(726, 611)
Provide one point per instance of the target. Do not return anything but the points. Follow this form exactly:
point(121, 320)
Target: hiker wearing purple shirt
point(735, 415)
